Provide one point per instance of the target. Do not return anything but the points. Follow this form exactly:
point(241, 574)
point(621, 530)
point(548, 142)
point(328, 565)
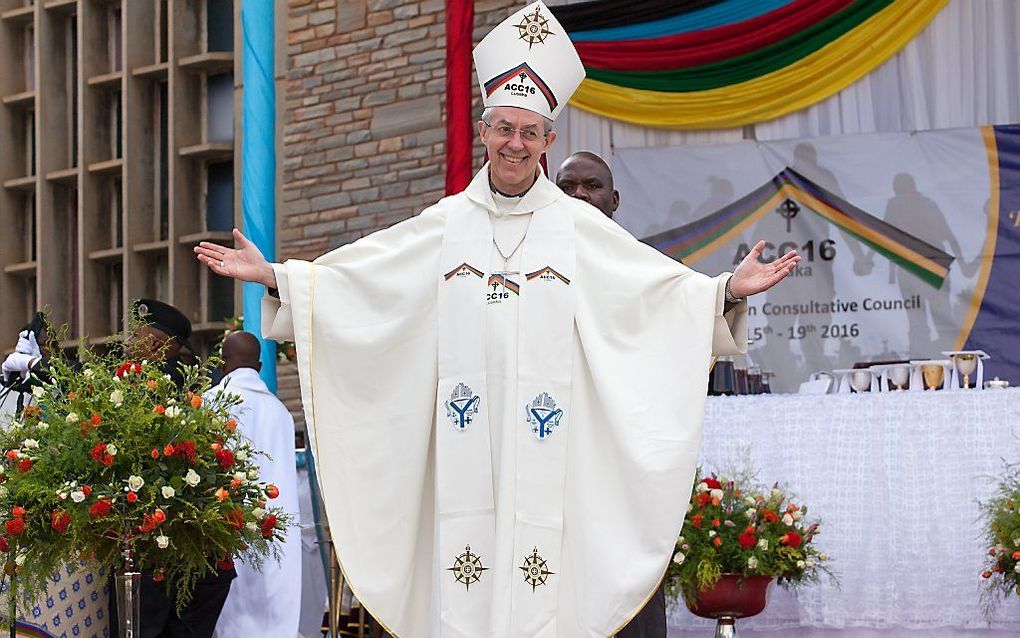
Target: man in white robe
point(505, 393)
point(265, 602)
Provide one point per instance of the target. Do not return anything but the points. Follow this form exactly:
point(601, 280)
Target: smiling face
point(515, 139)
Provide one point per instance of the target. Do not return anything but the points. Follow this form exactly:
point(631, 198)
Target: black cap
point(165, 317)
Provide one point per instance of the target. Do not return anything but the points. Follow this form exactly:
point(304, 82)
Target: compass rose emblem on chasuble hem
point(535, 569)
point(467, 569)
point(534, 28)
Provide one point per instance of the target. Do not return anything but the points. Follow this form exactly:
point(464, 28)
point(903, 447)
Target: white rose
point(42, 426)
point(750, 500)
point(702, 487)
point(117, 398)
point(711, 533)
point(1016, 542)
point(30, 444)
point(77, 496)
point(192, 478)
point(1017, 568)
point(162, 541)
point(823, 557)
point(172, 412)
point(240, 476)
point(167, 491)
point(795, 514)
point(38, 392)
point(135, 483)
point(752, 562)
point(258, 512)
point(679, 558)
point(716, 493)
point(253, 474)
point(88, 373)
point(681, 540)
point(750, 513)
point(241, 455)
point(809, 563)
point(800, 564)
point(763, 544)
point(111, 449)
point(3, 492)
point(787, 520)
point(252, 526)
point(20, 559)
point(71, 418)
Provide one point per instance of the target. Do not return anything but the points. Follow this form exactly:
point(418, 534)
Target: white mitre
point(528, 61)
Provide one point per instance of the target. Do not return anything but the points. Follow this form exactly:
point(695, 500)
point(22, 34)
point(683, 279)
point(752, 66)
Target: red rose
point(25, 465)
point(18, 511)
point(792, 539)
point(96, 419)
point(185, 450)
point(60, 520)
point(747, 540)
point(158, 516)
point(272, 491)
point(712, 483)
point(99, 454)
point(154, 454)
point(15, 526)
point(157, 576)
point(159, 409)
point(168, 450)
point(770, 516)
point(127, 368)
point(131, 497)
point(703, 499)
point(4, 547)
point(717, 541)
point(269, 526)
point(716, 522)
point(86, 490)
point(100, 508)
point(12, 454)
point(147, 524)
point(236, 519)
point(696, 520)
point(225, 459)
point(226, 564)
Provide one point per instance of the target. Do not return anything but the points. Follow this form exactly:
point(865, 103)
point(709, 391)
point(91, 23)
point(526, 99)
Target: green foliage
point(114, 455)
point(736, 526)
point(1002, 530)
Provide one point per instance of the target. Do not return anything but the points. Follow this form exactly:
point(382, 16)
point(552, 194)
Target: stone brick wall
point(363, 127)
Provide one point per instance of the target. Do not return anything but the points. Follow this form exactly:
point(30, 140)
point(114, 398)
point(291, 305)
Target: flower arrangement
point(1002, 529)
point(114, 454)
point(738, 527)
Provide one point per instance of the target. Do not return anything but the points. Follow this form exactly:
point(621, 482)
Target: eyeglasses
point(507, 132)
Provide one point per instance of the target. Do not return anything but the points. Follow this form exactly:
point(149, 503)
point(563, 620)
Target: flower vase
point(734, 596)
point(129, 594)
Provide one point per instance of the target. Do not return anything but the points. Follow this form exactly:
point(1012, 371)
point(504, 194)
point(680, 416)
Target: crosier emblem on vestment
point(462, 406)
point(542, 415)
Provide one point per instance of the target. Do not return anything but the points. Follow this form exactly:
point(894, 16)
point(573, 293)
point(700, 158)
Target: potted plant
point(737, 539)
point(116, 465)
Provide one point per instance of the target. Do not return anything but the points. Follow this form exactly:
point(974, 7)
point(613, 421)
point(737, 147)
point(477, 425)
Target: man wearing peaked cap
point(505, 393)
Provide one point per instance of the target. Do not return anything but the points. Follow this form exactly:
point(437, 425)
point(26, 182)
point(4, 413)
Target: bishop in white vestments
point(504, 393)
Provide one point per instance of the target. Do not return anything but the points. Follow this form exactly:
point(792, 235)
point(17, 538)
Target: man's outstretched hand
point(244, 262)
point(752, 276)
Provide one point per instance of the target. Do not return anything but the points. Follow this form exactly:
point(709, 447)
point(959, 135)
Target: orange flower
point(222, 494)
point(196, 402)
point(716, 501)
point(716, 522)
point(1016, 555)
point(770, 516)
point(235, 483)
point(215, 447)
point(17, 510)
point(96, 419)
point(168, 450)
point(159, 516)
point(71, 395)
point(151, 384)
point(696, 520)
point(231, 425)
point(159, 409)
point(986, 574)
point(272, 491)
point(717, 541)
point(703, 499)
point(154, 454)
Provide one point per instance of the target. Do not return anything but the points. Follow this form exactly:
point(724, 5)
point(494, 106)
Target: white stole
point(463, 452)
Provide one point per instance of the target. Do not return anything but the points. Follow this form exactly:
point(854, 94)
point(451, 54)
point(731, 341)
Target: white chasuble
point(506, 437)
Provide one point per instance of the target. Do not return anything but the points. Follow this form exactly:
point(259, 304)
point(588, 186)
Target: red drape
point(460, 17)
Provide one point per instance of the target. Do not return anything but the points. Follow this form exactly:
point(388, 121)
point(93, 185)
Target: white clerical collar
point(542, 193)
point(244, 378)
